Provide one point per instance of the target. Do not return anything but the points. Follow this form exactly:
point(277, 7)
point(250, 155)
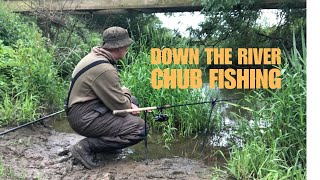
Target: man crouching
point(95, 91)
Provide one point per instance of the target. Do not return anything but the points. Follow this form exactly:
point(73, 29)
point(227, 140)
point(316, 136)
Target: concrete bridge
point(127, 6)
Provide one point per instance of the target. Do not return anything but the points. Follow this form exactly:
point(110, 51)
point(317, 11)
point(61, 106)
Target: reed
point(275, 143)
point(136, 75)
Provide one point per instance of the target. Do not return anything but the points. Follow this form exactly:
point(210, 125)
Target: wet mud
point(42, 153)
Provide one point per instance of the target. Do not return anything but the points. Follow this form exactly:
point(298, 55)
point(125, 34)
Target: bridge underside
point(129, 6)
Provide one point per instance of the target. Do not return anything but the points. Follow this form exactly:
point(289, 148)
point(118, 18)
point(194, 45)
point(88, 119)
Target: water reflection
point(181, 147)
point(216, 142)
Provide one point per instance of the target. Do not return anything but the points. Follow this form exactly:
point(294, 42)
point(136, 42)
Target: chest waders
point(73, 80)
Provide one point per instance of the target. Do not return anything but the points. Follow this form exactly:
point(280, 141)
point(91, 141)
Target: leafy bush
point(70, 45)
point(28, 77)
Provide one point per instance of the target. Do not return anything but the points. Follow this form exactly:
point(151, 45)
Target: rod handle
point(134, 110)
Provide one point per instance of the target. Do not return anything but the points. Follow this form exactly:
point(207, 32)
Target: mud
point(42, 153)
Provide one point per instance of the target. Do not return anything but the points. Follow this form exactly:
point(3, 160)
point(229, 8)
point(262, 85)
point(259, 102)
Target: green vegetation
point(274, 138)
point(29, 82)
point(37, 56)
point(275, 143)
point(137, 77)
point(37, 71)
point(227, 24)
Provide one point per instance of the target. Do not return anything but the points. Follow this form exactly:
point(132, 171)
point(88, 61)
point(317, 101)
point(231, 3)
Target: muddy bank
point(42, 153)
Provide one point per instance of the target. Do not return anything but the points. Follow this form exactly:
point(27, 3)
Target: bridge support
point(123, 6)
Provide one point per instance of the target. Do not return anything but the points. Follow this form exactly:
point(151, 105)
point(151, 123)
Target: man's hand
point(133, 106)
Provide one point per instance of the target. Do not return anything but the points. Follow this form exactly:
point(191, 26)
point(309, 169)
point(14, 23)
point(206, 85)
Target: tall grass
point(18, 109)
point(28, 79)
point(184, 120)
point(276, 150)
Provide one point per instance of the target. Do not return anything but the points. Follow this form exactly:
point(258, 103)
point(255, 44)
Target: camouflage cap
point(115, 37)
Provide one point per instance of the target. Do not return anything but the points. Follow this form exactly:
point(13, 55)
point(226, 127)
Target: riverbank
point(42, 153)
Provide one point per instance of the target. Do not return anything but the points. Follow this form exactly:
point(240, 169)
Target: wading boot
point(82, 152)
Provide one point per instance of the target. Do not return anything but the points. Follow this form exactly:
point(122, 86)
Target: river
point(216, 143)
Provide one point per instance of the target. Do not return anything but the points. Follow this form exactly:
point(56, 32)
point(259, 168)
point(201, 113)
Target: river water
point(206, 147)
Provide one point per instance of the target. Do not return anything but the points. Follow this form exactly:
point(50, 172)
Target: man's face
point(123, 51)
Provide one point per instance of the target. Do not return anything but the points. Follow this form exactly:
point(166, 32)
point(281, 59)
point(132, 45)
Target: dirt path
point(41, 153)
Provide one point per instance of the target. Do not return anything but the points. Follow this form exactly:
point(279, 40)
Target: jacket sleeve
point(107, 87)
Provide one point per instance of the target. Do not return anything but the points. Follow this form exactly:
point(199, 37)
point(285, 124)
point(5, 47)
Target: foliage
point(25, 79)
point(279, 126)
point(141, 27)
point(137, 77)
point(28, 78)
point(257, 161)
point(231, 24)
point(274, 141)
point(72, 44)
point(138, 24)
point(68, 38)
point(74, 38)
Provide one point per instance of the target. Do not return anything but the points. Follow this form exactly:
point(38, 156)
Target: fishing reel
point(161, 117)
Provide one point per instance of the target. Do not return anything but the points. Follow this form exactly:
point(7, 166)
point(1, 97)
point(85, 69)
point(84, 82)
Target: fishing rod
point(29, 123)
point(159, 118)
point(115, 112)
point(164, 117)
